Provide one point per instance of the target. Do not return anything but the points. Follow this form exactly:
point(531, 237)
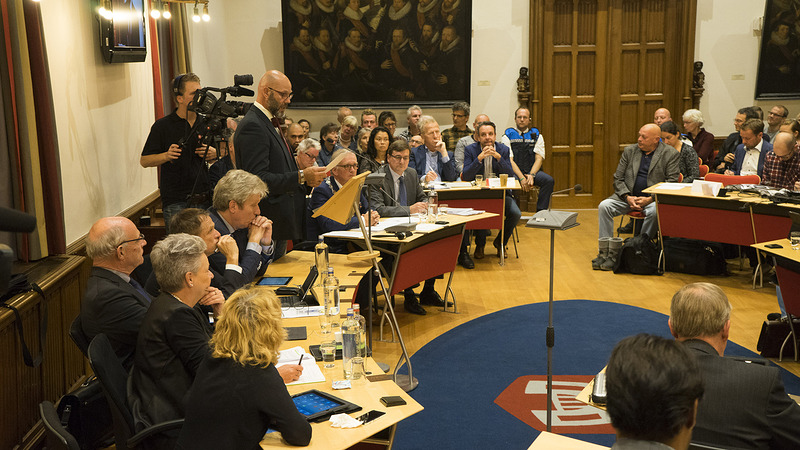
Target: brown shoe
point(479, 252)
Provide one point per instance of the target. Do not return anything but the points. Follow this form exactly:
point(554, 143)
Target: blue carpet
point(462, 372)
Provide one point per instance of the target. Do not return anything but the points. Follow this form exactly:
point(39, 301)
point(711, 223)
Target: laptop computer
point(297, 295)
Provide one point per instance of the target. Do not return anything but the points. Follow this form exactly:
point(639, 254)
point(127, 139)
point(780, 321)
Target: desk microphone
point(555, 219)
point(375, 180)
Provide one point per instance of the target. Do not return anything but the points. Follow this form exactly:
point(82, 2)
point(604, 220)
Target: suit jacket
point(386, 204)
point(322, 224)
point(172, 343)
point(115, 308)
point(744, 405)
point(253, 264)
point(665, 166)
point(473, 166)
point(261, 150)
point(447, 171)
point(738, 158)
point(227, 282)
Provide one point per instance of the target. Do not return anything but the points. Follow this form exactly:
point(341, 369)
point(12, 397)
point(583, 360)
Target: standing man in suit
point(114, 303)
point(262, 151)
point(402, 195)
point(484, 157)
point(744, 405)
point(749, 156)
point(641, 165)
point(431, 159)
point(236, 213)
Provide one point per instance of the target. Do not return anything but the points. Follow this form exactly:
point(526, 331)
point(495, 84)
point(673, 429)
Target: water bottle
point(332, 300)
point(350, 338)
point(433, 206)
point(321, 255)
point(362, 324)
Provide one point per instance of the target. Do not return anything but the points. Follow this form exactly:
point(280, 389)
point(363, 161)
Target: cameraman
point(183, 170)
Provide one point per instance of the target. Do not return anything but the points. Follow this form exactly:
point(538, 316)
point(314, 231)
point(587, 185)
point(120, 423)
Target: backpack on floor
point(639, 256)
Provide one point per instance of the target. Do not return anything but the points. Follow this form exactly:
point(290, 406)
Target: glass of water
point(479, 180)
point(794, 236)
point(328, 350)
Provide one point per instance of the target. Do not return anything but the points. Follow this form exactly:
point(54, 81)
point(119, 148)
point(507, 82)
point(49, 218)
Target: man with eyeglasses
point(114, 304)
point(459, 129)
point(724, 159)
point(775, 119)
point(401, 195)
point(261, 150)
point(340, 175)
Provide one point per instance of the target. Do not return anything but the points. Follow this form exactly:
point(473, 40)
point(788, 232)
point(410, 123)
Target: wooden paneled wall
point(22, 388)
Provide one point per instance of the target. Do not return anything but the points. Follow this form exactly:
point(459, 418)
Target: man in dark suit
point(235, 212)
point(724, 158)
point(261, 150)
point(342, 173)
point(432, 161)
point(749, 156)
point(744, 405)
point(641, 165)
point(114, 303)
point(489, 156)
point(400, 195)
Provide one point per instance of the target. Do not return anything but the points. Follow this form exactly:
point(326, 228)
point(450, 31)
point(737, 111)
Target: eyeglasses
point(459, 115)
point(776, 115)
point(348, 166)
point(140, 238)
point(284, 95)
point(401, 158)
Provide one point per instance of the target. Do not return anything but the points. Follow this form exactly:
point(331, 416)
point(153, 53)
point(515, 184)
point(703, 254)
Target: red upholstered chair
point(634, 215)
point(703, 170)
point(680, 178)
point(733, 179)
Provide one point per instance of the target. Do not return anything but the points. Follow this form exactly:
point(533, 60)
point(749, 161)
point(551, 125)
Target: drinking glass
point(479, 180)
point(794, 236)
point(328, 350)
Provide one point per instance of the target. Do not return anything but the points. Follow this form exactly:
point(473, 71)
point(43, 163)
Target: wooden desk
point(548, 441)
point(489, 199)
point(737, 219)
point(367, 395)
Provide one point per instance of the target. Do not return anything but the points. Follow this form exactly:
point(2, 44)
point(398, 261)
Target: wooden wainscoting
point(22, 388)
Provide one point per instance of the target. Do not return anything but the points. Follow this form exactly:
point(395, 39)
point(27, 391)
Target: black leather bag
point(773, 333)
point(84, 412)
point(638, 255)
point(695, 257)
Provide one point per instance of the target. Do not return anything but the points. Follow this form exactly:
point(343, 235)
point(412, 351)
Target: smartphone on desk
point(370, 416)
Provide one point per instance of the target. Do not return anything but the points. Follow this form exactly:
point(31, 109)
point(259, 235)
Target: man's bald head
point(274, 92)
point(104, 244)
point(783, 145)
point(343, 112)
point(662, 115)
point(478, 119)
point(649, 135)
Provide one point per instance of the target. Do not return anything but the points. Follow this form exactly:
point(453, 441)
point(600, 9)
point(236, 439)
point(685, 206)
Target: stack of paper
point(311, 371)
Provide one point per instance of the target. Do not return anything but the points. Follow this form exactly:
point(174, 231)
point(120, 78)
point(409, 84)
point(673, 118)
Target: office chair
point(57, 437)
point(114, 379)
point(733, 179)
point(78, 336)
point(703, 170)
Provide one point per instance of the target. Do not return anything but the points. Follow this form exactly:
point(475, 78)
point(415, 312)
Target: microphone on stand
point(556, 219)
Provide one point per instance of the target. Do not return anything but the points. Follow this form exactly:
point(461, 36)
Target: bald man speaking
point(261, 150)
point(641, 165)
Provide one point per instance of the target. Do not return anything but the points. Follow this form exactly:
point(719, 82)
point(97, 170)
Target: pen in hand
point(300, 363)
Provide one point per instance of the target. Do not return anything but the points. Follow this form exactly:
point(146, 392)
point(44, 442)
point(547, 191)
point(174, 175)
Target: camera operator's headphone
point(176, 84)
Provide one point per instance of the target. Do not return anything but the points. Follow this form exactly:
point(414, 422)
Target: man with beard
point(352, 17)
point(325, 51)
point(299, 14)
point(427, 13)
point(447, 66)
point(427, 42)
point(261, 150)
point(452, 13)
point(396, 65)
point(398, 15)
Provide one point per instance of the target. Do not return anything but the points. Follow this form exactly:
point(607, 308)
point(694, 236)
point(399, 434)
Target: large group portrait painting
point(779, 62)
point(361, 52)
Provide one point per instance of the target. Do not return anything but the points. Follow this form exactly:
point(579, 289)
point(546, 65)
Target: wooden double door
point(599, 70)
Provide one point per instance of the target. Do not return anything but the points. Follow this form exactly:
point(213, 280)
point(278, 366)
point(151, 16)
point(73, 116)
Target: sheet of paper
point(301, 311)
point(459, 184)
point(428, 227)
point(672, 186)
point(311, 371)
point(494, 182)
point(335, 162)
point(463, 211)
point(354, 233)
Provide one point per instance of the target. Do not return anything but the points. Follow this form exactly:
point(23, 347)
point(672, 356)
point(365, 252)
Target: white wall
point(728, 47)
point(245, 37)
point(103, 114)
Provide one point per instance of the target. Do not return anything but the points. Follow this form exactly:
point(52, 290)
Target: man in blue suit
point(235, 212)
point(489, 156)
point(262, 151)
point(750, 154)
point(431, 160)
point(342, 173)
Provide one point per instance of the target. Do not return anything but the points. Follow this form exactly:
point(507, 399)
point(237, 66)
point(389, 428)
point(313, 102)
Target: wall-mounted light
point(196, 14)
point(154, 12)
point(206, 17)
point(105, 9)
point(166, 13)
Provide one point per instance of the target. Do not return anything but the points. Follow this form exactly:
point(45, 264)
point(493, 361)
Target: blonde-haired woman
point(238, 393)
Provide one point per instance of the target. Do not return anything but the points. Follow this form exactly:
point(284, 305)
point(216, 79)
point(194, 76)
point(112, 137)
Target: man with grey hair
point(114, 304)
point(431, 160)
point(413, 114)
point(459, 129)
point(307, 153)
point(744, 404)
point(235, 212)
point(343, 112)
point(782, 164)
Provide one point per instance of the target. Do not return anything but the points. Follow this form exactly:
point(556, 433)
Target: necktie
point(401, 192)
point(276, 122)
point(140, 289)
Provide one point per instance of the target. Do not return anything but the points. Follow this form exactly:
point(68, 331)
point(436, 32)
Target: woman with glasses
point(238, 394)
point(173, 338)
point(689, 165)
point(378, 144)
point(702, 140)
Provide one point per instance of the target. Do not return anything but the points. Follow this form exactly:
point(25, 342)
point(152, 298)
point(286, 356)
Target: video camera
point(206, 104)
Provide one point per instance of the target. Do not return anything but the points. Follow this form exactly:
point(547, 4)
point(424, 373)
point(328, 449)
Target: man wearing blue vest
point(527, 150)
